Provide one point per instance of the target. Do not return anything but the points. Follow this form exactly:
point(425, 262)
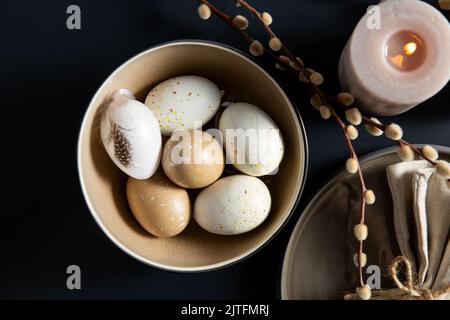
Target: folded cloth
point(421, 201)
point(400, 177)
point(438, 217)
point(420, 186)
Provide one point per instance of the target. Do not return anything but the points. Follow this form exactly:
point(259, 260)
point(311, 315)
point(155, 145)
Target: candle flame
point(410, 48)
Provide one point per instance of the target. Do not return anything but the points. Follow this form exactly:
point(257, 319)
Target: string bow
point(409, 286)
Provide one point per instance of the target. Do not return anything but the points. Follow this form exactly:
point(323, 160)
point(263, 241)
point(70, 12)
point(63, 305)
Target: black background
point(48, 76)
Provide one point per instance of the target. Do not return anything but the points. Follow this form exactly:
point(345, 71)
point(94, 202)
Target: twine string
point(411, 288)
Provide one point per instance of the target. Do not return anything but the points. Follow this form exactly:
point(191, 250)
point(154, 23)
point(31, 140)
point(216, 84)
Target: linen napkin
point(421, 200)
point(400, 177)
point(419, 185)
point(438, 217)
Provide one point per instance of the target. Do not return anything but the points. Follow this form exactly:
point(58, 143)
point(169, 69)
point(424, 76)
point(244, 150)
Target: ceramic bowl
point(103, 184)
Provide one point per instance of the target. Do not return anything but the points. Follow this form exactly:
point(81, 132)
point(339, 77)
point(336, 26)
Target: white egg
point(130, 134)
point(232, 205)
point(253, 141)
point(185, 102)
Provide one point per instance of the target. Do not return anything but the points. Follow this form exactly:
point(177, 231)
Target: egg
point(130, 134)
point(253, 141)
point(232, 205)
point(193, 159)
point(161, 207)
point(185, 102)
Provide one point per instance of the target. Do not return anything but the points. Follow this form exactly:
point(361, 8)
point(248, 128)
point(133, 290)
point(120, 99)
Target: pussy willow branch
point(315, 89)
point(318, 90)
point(382, 127)
point(341, 123)
point(363, 189)
point(269, 31)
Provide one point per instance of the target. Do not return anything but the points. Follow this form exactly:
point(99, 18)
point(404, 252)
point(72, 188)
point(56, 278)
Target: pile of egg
point(133, 134)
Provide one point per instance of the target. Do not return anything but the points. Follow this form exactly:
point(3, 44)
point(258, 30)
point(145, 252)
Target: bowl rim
point(306, 213)
point(228, 262)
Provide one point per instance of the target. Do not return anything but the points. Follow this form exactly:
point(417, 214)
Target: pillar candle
point(397, 57)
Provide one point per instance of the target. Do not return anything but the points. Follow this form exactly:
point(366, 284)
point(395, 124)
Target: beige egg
point(193, 159)
point(233, 205)
point(160, 206)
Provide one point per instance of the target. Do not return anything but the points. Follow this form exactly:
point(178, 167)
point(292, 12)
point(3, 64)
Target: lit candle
point(404, 60)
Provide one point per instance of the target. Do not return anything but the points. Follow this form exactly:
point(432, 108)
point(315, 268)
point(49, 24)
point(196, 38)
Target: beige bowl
point(103, 183)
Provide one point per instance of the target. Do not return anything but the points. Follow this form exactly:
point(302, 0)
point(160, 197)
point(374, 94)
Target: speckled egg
point(185, 102)
point(193, 159)
point(233, 205)
point(256, 146)
point(160, 206)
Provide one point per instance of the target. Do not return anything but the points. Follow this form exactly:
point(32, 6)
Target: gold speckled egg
point(160, 206)
point(193, 159)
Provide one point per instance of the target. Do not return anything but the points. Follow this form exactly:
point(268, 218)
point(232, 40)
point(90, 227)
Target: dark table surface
point(48, 76)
